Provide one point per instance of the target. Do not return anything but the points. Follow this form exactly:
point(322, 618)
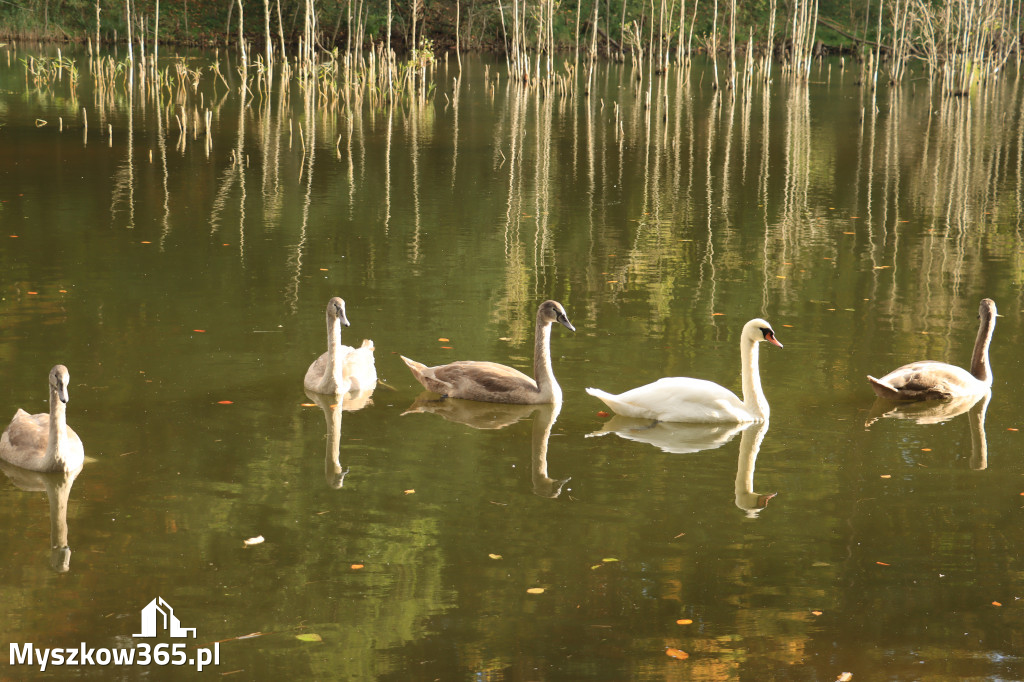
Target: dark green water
point(186, 292)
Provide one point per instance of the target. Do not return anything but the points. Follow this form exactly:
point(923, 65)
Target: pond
point(177, 255)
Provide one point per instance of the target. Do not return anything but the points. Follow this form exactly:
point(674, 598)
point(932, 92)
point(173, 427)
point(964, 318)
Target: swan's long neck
point(980, 368)
point(334, 348)
point(55, 444)
point(753, 396)
point(542, 374)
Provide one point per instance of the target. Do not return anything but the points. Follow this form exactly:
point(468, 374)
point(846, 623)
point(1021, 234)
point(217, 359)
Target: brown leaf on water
point(535, 590)
point(684, 621)
point(677, 653)
point(844, 677)
point(996, 603)
point(356, 567)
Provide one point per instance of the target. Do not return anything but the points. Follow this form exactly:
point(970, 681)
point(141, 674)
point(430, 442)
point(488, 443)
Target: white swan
point(929, 380)
point(44, 442)
point(342, 368)
point(682, 399)
point(494, 383)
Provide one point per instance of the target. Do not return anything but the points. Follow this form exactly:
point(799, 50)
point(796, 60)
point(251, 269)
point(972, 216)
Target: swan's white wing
point(678, 399)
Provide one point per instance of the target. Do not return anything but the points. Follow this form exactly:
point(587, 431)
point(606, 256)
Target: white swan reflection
point(57, 485)
point(334, 472)
point(937, 412)
point(679, 438)
point(491, 416)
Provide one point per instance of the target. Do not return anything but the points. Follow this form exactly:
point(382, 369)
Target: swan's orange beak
point(770, 336)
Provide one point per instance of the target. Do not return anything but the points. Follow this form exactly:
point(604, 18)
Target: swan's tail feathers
point(883, 389)
point(367, 343)
point(605, 397)
point(416, 367)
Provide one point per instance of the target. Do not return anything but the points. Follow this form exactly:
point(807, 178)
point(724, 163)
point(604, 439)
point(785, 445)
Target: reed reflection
point(493, 416)
point(332, 407)
point(938, 412)
point(57, 485)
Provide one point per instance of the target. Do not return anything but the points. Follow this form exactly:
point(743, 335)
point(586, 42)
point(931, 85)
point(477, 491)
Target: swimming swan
point(44, 442)
point(342, 368)
point(494, 383)
point(929, 380)
point(682, 399)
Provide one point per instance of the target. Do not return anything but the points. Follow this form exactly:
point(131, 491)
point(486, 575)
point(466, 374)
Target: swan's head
point(336, 310)
point(759, 330)
point(59, 378)
point(987, 309)
point(552, 311)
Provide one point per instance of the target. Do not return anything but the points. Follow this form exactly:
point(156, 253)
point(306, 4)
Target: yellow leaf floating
point(535, 590)
point(309, 637)
point(684, 621)
point(410, 491)
point(494, 556)
point(610, 559)
point(677, 653)
point(844, 677)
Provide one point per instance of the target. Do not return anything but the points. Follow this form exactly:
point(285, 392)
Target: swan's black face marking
point(564, 320)
point(769, 336)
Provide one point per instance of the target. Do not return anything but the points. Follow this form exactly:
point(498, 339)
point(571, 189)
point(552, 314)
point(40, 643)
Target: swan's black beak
point(564, 321)
point(769, 336)
point(62, 393)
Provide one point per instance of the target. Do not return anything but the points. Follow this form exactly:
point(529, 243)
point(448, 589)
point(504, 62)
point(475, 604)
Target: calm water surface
point(184, 285)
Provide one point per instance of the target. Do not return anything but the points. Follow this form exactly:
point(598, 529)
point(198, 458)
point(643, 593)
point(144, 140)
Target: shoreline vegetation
point(390, 44)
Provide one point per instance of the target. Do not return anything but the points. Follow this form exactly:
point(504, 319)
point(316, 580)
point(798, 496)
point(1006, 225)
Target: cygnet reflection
point(939, 411)
point(488, 416)
point(57, 485)
point(334, 472)
point(684, 438)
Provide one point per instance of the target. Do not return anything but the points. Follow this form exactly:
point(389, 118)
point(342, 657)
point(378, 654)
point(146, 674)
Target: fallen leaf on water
point(535, 590)
point(844, 677)
point(253, 541)
point(309, 637)
point(602, 413)
point(444, 340)
point(677, 653)
point(225, 402)
point(410, 491)
point(1012, 429)
point(609, 560)
point(886, 476)
point(881, 563)
point(684, 621)
point(816, 613)
point(308, 405)
point(494, 556)
point(996, 603)
point(717, 314)
point(926, 449)
point(199, 331)
point(446, 347)
point(356, 567)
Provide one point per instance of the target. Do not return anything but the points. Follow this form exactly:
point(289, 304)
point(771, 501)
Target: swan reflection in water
point(492, 416)
point(937, 412)
point(57, 485)
point(679, 438)
point(332, 408)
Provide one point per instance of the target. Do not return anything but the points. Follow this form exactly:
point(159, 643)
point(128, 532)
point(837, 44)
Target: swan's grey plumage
point(342, 368)
point(683, 399)
point(931, 380)
point(44, 442)
point(495, 383)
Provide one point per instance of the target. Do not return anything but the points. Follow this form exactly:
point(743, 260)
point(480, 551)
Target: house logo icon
point(159, 613)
